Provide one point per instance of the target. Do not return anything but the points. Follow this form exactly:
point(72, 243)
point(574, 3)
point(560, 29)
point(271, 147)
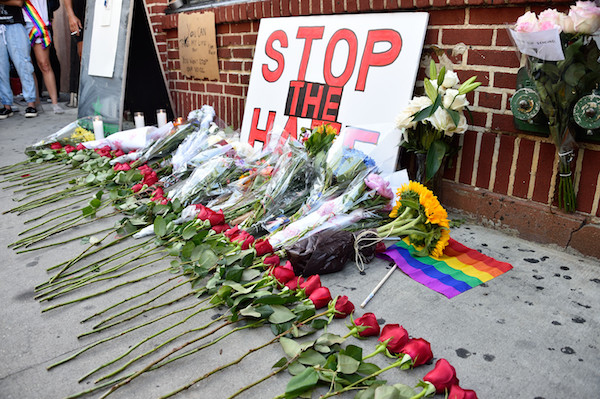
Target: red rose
point(320, 297)
point(137, 187)
point(368, 319)
point(159, 192)
point(294, 283)
point(69, 148)
point(311, 284)
point(125, 166)
point(151, 178)
point(419, 351)
point(288, 265)
point(380, 247)
point(232, 232)
point(220, 228)
point(282, 275)
point(119, 153)
point(398, 335)
point(56, 146)
point(263, 247)
point(217, 218)
point(344, 307)
point(80, 147)
point(248, 242)
point(457, 392)
point(443, 376)
point(272, 260)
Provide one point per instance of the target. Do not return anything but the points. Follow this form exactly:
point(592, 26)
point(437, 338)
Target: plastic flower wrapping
point(76, 132)
point(564, 70)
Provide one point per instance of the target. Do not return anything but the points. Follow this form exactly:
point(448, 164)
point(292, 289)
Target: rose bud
point(69, 148)
point(151, 178)
point(159, 192)
point(80, 147)
point(282, 275)
point(216, 218)
point(368, 319)
point(343, 307)
point(418, 351)
point(294, 283)
point(311, 284)
point(457, 392)
point(396, 334)
point(119, 153)
point(220, 228)
point(288, 265)
point(248, 242)
point(263, 247)
point(320, 297)
point(56, 146)
point(137, 187)
point(272, 260)
point(232, 232)
point(443, 376)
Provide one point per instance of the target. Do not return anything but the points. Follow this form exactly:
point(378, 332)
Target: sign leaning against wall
point(355, 72)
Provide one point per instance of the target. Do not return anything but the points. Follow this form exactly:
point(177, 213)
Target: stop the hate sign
point(355, 72)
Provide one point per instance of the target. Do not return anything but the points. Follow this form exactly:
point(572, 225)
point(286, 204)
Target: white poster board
point(105, 37)
point(355, 72)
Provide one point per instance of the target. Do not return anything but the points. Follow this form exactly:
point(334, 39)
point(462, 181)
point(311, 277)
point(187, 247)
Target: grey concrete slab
point(530, 333)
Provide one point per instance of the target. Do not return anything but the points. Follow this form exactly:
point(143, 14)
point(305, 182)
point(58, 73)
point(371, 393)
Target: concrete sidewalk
point(530, 333)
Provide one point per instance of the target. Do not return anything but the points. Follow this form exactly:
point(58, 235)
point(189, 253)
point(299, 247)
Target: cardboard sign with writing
point(198, 45)
point(354, 72)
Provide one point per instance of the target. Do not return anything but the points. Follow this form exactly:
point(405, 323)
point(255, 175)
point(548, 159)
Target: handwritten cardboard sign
point(354, 72)
point(198, 45)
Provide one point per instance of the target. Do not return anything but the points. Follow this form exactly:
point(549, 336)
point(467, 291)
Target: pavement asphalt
point(531, 333)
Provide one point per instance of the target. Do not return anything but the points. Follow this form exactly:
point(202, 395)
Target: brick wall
point(467, 35)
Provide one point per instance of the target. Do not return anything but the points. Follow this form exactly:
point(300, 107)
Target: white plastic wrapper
point(189, 213)
point(131, 140)
point(205, 115)
point(192, 145)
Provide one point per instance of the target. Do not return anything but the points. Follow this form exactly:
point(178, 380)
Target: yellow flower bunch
point(81, 135)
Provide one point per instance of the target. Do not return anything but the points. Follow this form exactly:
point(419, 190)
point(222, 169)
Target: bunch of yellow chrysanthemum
point(419, 215)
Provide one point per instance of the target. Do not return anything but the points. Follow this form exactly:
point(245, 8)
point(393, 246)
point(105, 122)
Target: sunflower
point(442, 242)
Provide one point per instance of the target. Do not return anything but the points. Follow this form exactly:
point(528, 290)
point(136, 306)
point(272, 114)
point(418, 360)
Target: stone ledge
point(527, 219)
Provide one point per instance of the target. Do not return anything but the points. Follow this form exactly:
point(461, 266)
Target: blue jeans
point(15, 43)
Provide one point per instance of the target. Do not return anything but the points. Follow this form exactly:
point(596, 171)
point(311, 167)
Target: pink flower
point(550, 19)
point(585, 16)
point(527, 22)
point(377, 183)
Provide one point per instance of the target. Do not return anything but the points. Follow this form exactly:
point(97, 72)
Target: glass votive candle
point(161, 117)
point(138, 118)
point(98, 127)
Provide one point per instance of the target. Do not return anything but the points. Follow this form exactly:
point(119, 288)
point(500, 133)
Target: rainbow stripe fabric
point(458, 270)
point(39, 26)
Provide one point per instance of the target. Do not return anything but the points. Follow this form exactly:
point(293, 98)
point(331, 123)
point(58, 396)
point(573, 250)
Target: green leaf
point(95, 203)
point(405, 391)
point(160, 226)
point(250, 274)
point(329, 339)
point(347, 364)
point(189, 231)
point(186, 251)
point(368, 393)
point(280, 363)
point(302, 382)
point(281, 314)
point(454, 115)
point(319, 324)
point(441, 76)
point(311, 357)
point(354, 352)
point(430, 90)
point(367, 368)
point(90, 178)
point(271, 300)
point(290, 347)
point(88, 211)
point(432, 69)
point(574, 73)
point(435, 155)
point(386, 392)
point(296, 368)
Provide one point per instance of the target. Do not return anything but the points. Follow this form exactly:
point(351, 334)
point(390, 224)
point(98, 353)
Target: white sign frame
point(371, 59)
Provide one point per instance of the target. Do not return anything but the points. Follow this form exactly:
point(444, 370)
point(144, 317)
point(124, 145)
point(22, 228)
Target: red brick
point(214, 88)
point(232, 65)
point(250, 39)
point(379, 5)
point(222, 29)
point(476, 2)
point(391, 4)
point(242, 27)
point(475, 118)
point(475, 37)
point(482, 76)
point(231, 40)
point(508, 59)
point(234, 90)
point(503, 37)
point(455, 59)
point(338, 6)
point(523, 170)
point(439, 3)
point(285, 8)
point(327, 6)
point(234, 78)
point(495, 15)
point(504, 123)
point(543, 176)
point(352, 5)
point(590, 168)
point(456, 3)
point(468, 157)
point(223, 53)
point(431, 36)
point(295, 7)
point(486, 153)
point(505, 80)
point(490, 100)
point(505, 158)
point(405, 4)
point(276, 8)
point(243, 12)
point(306, 7)
point(422, 3)
point(182, 85)
point(364, 5)
point(447, 17)
point(197, 86)
point(242, 53)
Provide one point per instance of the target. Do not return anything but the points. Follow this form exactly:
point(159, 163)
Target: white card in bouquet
point(544, 45)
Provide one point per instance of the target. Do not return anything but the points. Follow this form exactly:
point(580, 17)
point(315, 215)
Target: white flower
point(404, 119)
point(585, 16)
point(550, 19)
point(566, 23)
point(440, 89)
point(527, 22)
point(450, 79)
point(452, 100)
point(441, 120)
point(244, 150)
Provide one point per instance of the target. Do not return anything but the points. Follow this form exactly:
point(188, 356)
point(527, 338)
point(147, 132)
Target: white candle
point(98, 127)
point(161, 117)
point(138, 117)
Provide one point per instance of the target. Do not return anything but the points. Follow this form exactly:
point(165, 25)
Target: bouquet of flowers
point(76, 132)
point(563, 70)
point(430, 121)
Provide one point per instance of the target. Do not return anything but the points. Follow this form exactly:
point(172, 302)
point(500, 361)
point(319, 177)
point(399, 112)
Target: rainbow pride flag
point(458, 270)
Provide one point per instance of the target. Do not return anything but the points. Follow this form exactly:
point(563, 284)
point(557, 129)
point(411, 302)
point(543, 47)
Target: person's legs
point(19, 50)
point(42, 56)
point(6, 94)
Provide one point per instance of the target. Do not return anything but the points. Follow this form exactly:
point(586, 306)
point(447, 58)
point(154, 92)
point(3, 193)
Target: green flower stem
point(104, 291)
point(107, 326)
point(64, 242)
point(120, 334)
point(14, 168)
point(57, 210)
point(394, 228)
point(380, 349)
point(135, 346)
point(132, 308)
point(375, 374)
point(255, 349)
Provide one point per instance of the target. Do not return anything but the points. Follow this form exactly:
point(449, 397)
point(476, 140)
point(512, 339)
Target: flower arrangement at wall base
point(429, 122)
point(563, 70)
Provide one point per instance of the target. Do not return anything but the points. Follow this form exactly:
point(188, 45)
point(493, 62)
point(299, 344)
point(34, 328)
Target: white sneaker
point(57, 109)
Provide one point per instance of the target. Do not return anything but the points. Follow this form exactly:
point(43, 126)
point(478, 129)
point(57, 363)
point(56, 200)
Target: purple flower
point(377, 183)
